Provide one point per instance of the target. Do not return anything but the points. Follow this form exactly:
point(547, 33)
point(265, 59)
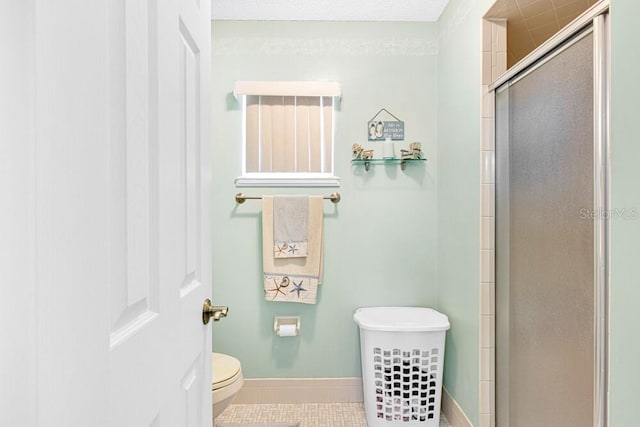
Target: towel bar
point(241, 198)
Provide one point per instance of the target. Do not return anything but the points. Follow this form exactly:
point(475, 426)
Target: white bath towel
point(290, 226)
point(292, 279)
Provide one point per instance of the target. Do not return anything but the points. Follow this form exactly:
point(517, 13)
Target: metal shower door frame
point(598, 18)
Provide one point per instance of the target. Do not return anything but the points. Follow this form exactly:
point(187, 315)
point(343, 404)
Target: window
point(287, 133)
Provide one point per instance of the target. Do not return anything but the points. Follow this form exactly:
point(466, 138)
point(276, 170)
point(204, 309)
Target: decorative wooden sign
point(378, 130)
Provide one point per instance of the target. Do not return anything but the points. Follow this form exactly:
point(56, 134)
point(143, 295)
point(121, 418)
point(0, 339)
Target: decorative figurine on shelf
point(414, 151)
point(360, 154)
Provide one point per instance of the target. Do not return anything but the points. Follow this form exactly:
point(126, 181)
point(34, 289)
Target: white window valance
point(292, 88)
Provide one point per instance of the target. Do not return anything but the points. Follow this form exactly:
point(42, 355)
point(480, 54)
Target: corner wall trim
point(300, 390)
point(452, 411)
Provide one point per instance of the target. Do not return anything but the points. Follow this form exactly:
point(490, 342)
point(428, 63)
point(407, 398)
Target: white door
point(117, 173)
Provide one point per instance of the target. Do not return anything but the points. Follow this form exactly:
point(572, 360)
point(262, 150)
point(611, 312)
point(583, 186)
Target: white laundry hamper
point(402, 352)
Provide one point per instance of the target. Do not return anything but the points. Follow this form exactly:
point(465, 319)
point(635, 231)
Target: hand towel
point(290, 229)
point(292, 279)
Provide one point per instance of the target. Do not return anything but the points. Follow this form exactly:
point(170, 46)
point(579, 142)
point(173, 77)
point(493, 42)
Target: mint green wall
point(380, 241)
point(625, 232)
point(458, 137)
point(399, 60)
point(459, 81)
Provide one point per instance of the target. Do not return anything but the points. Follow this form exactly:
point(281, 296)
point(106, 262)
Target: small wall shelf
point(402, 162)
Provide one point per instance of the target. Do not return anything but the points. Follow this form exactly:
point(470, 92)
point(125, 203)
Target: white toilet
point(227, 381)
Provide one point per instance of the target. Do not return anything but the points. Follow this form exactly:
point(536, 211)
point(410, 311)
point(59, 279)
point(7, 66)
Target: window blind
point(288, 134)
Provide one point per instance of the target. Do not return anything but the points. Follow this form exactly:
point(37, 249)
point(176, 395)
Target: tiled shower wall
point(494, 63)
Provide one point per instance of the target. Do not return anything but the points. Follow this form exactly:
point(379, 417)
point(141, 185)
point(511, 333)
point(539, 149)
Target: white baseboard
point(300, 390)
point(454, 413)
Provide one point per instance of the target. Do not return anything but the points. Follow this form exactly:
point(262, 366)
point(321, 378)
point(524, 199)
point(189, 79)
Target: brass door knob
point(209, 310)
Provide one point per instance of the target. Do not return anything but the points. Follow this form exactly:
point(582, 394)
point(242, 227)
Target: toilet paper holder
point(286, 326)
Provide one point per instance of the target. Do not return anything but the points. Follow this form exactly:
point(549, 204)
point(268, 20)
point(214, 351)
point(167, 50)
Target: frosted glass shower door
point(545, 349)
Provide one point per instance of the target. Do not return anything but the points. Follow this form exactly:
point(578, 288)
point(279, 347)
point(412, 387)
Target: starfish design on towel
point(278, 287)
point(280, 250)
point(293, 249)
point(297, 287)
point(285, 282)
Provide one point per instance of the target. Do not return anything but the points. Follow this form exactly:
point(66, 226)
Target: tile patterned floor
point(308, 414)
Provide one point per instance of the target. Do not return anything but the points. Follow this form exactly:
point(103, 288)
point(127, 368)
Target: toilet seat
point(226, 382)
point(226, 370)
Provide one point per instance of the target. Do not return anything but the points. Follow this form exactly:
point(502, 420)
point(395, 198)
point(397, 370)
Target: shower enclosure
point(551, 230)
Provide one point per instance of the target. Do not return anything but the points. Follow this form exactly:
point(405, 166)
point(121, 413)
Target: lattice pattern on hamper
point(405, 383)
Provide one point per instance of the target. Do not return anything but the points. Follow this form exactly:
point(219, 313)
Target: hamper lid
point(401, 319)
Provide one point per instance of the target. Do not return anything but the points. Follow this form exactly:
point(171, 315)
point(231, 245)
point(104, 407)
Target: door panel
point(186, 161)
point(133, 160)
point(545, 345)
point(122, 182)
point(191, 401)
point(18, 249)
point(190, 144)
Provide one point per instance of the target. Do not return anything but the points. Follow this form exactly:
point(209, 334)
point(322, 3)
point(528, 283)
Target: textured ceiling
point(532, 22)
point(328, 10)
